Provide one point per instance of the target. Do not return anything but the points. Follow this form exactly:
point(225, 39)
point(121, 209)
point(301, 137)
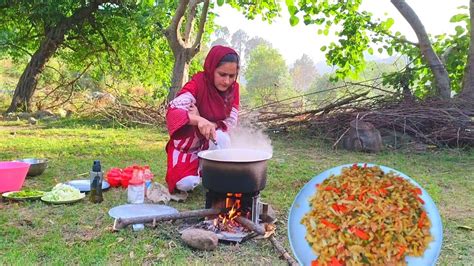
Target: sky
point(292, 42)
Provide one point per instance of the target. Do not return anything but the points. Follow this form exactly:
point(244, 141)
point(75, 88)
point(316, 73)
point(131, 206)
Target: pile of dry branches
point(127, 114)
point(433, 122)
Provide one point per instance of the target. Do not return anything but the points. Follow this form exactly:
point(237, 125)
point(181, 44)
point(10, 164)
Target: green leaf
point(459, 30)
point(458, 18)
point(323, 48)
point(370, 51)
point(307, 19)
point(380, 50)
point(294, 20)
point(388, 23)
point(292, 10)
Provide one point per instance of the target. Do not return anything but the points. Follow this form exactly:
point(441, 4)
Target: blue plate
point(297, 231)
point(84, 185)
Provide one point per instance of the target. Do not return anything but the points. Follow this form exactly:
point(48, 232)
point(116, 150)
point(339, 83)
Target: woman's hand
point(207, 128)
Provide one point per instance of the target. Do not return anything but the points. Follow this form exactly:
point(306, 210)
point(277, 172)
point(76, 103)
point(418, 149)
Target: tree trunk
point(184, 49)
point(180, 73)
point(442, 82)
point(29, 78)
point(54, 38)
point(468, 79)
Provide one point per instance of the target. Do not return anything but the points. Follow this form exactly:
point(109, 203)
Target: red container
point(12, 175)
point(126, 176)
point(114, 177)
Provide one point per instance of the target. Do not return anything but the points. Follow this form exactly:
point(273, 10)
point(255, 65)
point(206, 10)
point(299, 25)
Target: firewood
point(120, 223)
point(250, 225)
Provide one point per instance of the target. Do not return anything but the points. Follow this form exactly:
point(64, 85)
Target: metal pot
point(37, 166)
point(234, 170)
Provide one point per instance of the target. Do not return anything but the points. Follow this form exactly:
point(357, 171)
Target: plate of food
point(62, 194)
point(364, 214)
point(27, 194)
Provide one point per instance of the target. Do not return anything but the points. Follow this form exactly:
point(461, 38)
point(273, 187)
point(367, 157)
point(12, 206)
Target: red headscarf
point(212, 104)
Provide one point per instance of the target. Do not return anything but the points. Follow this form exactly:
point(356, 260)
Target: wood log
point(250, 225)
point(121, 223)
point(278, 246)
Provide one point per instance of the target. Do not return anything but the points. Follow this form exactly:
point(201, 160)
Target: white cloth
point(188, 183)
point(223, 141)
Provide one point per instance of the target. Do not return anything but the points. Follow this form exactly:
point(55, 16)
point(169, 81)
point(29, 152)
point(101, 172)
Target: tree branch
point(172, 32)
point(202, 23)
point(6, 44)
point(398, 39)
point(189, 21)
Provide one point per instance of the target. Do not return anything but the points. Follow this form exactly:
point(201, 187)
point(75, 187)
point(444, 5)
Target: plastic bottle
point(136, 188)
point(96, 177)
point(148, 176)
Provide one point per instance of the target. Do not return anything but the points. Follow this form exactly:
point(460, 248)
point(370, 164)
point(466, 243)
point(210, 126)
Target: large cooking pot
point(234, 170)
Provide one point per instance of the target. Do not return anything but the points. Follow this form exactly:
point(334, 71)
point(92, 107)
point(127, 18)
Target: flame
point(226, 221)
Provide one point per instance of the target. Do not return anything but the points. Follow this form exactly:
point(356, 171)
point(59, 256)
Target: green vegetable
point(62, 192)
point(26, 193)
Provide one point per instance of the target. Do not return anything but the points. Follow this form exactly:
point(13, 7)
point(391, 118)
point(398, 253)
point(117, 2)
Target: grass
point(38, 233)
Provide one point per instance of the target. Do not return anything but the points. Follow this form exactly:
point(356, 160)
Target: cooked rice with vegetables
point(366, 216)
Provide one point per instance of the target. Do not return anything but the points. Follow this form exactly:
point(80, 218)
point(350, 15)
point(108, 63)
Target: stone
point(41, 114)
point(200, 239)
point(32, 121)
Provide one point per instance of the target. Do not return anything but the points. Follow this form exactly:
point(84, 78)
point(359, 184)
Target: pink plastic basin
point(12, 175)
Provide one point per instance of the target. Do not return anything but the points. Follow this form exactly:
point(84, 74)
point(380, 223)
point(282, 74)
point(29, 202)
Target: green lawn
point(38, 233)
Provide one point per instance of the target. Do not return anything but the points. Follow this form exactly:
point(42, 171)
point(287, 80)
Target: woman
point(205, 106)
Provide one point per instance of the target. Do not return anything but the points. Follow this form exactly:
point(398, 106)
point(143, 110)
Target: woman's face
point(225, 75)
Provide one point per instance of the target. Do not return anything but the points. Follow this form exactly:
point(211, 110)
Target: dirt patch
point(456, 212)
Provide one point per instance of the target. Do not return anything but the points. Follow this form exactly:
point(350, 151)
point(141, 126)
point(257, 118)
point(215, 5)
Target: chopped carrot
point(345, 186)
point(375, 192)
point(420, 200)
point(329, 188)
point(350, 197)
point(370, 201)
point(329, 224)
point(315, 262)
point(339, 208)
point(401, 251)
point(335, 262)
point(398, 178)
point(359, 233)
point(421, 221)
point(417, 191)
point(383, 191)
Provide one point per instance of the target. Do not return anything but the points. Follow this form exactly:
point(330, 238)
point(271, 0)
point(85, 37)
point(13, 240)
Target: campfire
point(242, 217)
point(226, 221)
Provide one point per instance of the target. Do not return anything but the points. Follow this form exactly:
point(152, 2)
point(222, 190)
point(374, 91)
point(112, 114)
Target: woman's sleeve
point(177, 114)
point(231, 121)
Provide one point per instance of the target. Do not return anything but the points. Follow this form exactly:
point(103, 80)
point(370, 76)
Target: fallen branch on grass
point(261, 231)
point(121, 223)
